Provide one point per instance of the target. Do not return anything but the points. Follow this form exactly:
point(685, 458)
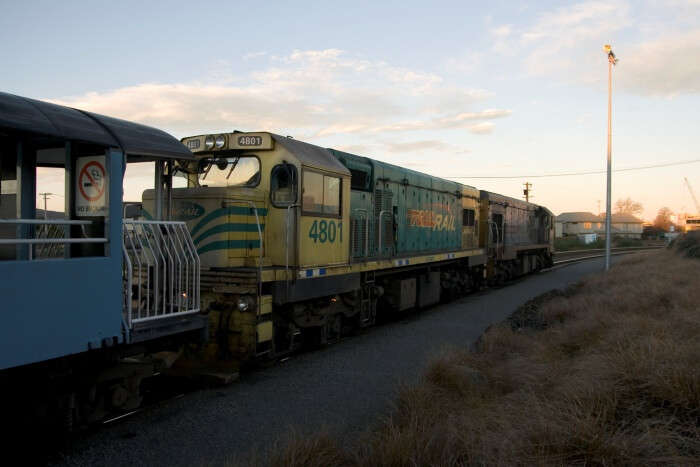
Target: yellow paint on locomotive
point(470, 227)
point(233, 239)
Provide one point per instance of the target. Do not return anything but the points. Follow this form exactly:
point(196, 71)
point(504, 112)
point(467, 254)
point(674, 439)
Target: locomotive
point(300, 244)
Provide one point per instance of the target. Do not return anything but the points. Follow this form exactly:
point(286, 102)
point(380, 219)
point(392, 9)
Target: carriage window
point(283, 185)
point(321, 194)
point(241, 171)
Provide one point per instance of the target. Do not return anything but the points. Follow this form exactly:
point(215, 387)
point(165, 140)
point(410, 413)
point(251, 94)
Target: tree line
point(662, 221)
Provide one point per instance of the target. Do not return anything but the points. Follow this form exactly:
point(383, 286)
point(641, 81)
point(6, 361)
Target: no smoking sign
point(91, 186)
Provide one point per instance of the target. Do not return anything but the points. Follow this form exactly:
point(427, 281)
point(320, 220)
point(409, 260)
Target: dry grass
point(605, 373)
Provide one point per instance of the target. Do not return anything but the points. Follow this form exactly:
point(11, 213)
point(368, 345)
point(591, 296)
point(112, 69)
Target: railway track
point(565, 257)
point(177, 387)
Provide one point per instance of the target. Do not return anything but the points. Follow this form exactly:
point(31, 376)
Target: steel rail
point(616, 253)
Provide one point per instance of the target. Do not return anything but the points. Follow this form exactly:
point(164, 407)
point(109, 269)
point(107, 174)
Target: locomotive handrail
point(498, 236)
point(260, 248)
point(286, 245)
point(260, 256)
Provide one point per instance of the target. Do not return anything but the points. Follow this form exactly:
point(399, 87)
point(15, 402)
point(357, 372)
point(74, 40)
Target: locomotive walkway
point(345, 387)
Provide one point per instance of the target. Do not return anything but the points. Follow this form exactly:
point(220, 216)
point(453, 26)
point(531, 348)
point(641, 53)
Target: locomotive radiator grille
point(383, 201)
point(358, 235)
point(161, 272)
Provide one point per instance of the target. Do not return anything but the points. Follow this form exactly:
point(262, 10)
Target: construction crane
point(690, 189)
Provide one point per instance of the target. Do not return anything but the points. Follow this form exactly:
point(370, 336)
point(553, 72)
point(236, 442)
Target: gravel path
point(345, 387)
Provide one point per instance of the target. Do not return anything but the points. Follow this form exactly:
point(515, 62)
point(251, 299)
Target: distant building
point(586, 223)
point(692, 223)
point(577, 223)
point(626, 225)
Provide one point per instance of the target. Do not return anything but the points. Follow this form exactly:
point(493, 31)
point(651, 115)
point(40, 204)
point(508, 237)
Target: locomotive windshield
point(243, 171)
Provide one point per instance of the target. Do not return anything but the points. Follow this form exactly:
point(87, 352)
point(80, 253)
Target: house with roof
point(626, 225)
point(587, 223)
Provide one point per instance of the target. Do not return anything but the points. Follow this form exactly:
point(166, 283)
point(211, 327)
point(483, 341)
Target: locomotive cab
point(249, 195)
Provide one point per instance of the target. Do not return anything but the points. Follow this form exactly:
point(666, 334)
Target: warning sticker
point(91, 186)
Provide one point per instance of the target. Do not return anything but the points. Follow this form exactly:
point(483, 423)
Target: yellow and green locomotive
point(300, 243)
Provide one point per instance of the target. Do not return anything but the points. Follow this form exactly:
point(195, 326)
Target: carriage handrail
point(34, 241)
point(45, 221)
point(45, 240)
point(161, 271)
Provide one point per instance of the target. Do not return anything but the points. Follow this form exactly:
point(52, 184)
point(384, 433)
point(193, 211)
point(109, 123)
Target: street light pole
point(608, 200)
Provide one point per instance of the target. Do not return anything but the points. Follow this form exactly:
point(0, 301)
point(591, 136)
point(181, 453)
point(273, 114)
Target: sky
point(453, 89)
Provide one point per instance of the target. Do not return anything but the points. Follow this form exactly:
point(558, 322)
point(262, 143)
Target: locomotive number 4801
point(247, 140)
point(326, 231)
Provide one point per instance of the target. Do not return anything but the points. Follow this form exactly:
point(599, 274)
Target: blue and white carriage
point(82, 290)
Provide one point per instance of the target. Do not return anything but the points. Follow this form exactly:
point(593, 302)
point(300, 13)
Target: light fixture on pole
point(612, 60)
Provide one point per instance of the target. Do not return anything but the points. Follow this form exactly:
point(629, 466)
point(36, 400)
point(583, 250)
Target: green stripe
point(237, 210)
point(229, 245)
point(230, 227)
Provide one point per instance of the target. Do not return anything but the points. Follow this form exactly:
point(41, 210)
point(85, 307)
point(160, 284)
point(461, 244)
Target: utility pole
point(45, 195)
point(608, 201)
point(526, 191)
point(692, 195)
point(599, 208)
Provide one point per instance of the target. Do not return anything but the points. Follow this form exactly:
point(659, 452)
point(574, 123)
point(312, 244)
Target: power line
point(592, 172)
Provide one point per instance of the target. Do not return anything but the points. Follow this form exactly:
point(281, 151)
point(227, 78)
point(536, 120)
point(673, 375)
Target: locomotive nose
point(227, 226)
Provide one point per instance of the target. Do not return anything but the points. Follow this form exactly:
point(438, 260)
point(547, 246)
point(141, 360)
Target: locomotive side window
point(283, 185)
point(468, 218)
point(358, 180)
point(331, 195)
point(321, 194)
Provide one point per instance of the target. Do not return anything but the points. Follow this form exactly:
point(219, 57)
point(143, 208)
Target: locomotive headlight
point(244, 303)
point(219, 141)
point(209, 142)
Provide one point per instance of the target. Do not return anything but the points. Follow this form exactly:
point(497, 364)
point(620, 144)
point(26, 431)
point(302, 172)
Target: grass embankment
point(606, 372)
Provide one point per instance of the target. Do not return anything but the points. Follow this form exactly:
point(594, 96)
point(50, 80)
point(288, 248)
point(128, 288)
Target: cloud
point(359, 149)
point(482, 128)
point(461, 120)
point(309, 94)
point(666, 66)
point(565, 44)
point(252, 55)
point(501, 31)
point(569, 40)
point(424, 146)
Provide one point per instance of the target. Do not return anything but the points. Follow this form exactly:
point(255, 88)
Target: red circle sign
point(94, 179)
